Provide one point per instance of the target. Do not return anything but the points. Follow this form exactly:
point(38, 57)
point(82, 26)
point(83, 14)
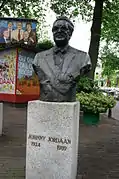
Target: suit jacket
point(2, 40)
point(32, 35)
point(11, 30)
point(14, 34)
point(60, 84)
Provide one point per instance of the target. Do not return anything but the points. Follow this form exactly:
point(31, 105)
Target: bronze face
point(61, 32)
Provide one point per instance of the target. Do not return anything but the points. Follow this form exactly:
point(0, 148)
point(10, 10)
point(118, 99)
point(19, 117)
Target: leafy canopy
point(85, 8)
point(21, 8)
point(110, 61)
point(72, 8)
point(110, 21)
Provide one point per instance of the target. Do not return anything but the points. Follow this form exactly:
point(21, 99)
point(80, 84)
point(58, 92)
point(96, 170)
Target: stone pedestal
point(52, 140)
point(1, 118)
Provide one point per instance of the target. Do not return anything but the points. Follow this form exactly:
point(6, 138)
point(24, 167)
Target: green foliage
point(110, 62)
point(86, 85)
point(91, 98)
point(21, 8)
point(73, 8)
point(85, 8)
point(110, 21)
point(45, 45)
point(95, 102)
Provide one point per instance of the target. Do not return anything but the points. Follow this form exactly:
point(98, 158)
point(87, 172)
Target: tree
point(89, 9)
point(95, 35)
point(110, 22)
point(73, 8)
point(108, 17)
point(21, 8)
point(110, 63)
point(110, 60)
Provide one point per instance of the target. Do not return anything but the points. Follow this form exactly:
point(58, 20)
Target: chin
point(60, 38)
point(61, 42)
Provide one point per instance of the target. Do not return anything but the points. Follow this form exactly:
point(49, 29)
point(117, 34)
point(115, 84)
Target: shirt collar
point(62, 50)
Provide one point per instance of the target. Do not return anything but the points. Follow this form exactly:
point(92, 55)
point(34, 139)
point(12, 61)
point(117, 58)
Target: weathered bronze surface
point(58, 68)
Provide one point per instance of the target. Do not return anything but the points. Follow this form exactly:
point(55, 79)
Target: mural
point(7, 71)
point(27, 81)
point(12, 31)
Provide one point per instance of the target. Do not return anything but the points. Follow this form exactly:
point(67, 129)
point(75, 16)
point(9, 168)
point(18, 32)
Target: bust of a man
point(59, 67)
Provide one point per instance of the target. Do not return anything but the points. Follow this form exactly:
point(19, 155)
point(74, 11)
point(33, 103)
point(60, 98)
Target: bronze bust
point(59, 67)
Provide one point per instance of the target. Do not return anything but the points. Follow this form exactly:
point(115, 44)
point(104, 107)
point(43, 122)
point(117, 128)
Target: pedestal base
point(52, 140)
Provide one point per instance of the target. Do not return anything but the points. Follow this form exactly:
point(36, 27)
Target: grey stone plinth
point(1, 118)
point(52, 140)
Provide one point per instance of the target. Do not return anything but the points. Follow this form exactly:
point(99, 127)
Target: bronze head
point(62, 31)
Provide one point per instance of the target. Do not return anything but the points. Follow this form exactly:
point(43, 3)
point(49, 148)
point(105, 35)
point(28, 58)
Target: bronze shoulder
point(77, 51)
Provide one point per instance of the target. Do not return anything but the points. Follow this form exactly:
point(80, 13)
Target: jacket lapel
point(49, 60)
point(52, 69)
point(68, 61)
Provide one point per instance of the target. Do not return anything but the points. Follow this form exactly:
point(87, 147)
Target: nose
point(59, 30)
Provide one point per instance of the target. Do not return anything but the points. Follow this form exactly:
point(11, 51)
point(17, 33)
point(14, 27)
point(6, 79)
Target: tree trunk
point(95, 35)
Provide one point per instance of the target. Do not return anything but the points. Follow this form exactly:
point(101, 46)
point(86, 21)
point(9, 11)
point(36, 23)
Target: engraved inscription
point(36, 137)
point(35, 144)
point(59, 140)
point(62, 148)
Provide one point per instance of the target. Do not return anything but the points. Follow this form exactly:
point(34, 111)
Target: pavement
point(98, 156)
point(13, 143)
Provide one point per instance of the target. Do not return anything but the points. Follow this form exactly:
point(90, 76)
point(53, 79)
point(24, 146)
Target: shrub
point(87, 85)
point(95, 102)
point(45, 45)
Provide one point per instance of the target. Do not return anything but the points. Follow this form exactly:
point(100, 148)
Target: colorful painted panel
point(13, 32)
point(27, 81)
point(7, 71)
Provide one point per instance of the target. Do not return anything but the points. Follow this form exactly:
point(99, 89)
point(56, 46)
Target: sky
point(81, 36)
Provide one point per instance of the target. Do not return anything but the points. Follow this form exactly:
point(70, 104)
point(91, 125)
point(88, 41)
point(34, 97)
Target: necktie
point(59, 60)
point(19, 35)
point(9, 34)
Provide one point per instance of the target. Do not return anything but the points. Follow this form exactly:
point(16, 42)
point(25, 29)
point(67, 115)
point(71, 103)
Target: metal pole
point(110, 113)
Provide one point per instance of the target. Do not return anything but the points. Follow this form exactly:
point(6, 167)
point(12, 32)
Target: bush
point(45, 45)
point(87, 85)
point(95, 102)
